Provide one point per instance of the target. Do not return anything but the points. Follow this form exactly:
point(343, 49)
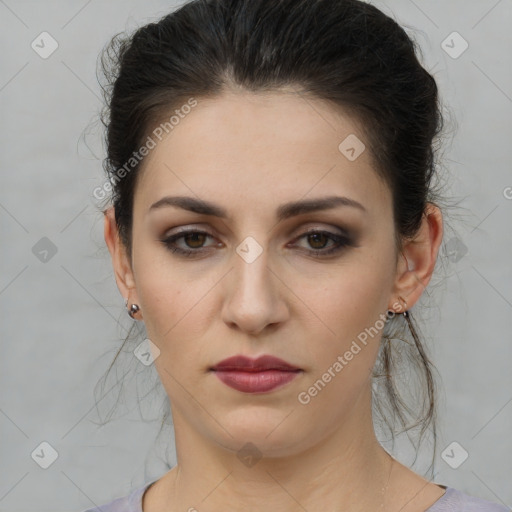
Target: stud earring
point(404, 307)
point(134, 308)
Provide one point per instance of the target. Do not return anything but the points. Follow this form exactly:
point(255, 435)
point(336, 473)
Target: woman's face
point(252, 281)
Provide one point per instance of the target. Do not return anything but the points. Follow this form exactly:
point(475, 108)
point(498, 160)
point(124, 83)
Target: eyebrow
point(284, 211)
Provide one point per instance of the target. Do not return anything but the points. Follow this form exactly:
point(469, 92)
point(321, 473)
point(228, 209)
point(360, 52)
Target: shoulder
point(129, 503)
point(454, 500)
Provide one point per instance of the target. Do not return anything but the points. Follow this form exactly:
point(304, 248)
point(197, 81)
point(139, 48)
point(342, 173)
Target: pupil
point(315, 237)
point(194, 236)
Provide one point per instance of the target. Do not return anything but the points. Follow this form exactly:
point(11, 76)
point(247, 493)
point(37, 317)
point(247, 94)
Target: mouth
point(261, 375)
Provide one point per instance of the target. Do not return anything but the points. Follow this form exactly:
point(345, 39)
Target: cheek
point(353, 297)
point(160, 291)
point(351, 306)
point(169, 310)
point(341, 364)
point(176, 305)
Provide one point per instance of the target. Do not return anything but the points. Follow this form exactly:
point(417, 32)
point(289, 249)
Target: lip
point(247, 364)
point(260, 375)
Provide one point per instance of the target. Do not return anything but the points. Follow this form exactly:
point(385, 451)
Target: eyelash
point(340, 240)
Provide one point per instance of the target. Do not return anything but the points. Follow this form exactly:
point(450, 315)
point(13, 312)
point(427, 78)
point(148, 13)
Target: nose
point(255, 296)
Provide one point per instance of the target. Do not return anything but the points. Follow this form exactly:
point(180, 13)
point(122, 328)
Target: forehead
point(257, 146)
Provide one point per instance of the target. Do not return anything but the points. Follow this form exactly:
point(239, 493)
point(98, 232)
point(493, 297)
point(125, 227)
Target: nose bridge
point(252, 302)
point(252, 274)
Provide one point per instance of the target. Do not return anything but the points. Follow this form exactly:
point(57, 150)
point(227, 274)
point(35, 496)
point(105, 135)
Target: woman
point(273, 215)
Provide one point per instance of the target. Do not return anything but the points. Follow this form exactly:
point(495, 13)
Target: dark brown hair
point(347, 52)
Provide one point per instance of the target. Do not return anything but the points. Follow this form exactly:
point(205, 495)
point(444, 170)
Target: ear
point(120, 261)
point(418, 259)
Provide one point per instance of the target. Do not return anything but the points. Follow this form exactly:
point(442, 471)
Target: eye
point(319, 238)
point(193, 238)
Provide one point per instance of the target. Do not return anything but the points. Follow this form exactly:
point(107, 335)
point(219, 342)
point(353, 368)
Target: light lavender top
point(452, 500)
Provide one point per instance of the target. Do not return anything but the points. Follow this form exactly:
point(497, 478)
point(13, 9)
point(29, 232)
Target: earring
point(134, 308)
point(405, 313)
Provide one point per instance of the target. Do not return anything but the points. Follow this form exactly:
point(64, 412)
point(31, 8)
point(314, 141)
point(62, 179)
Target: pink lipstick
point(260, 375)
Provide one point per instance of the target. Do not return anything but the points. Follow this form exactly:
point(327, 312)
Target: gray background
point(63, 318)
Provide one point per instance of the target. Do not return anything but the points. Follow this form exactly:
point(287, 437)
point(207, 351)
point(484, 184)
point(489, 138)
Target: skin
point(249, 153)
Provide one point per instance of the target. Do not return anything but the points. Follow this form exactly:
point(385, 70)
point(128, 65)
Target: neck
point(346, 469)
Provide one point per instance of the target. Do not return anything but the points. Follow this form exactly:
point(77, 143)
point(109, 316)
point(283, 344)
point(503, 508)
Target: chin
point(267, 436)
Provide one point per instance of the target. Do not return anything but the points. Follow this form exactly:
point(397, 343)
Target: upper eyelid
point(335, 230)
